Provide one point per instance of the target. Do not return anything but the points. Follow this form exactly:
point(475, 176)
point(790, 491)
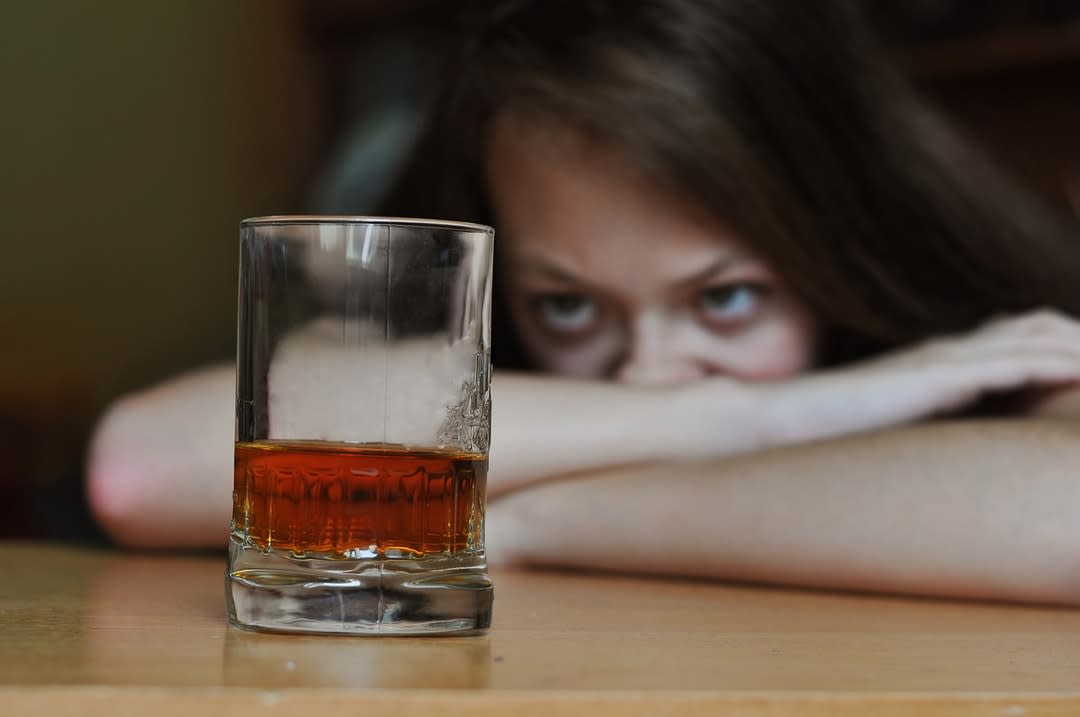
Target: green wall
point(133, 138)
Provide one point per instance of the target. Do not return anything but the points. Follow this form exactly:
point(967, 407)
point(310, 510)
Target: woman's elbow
point(159, 470)
point(119, 487)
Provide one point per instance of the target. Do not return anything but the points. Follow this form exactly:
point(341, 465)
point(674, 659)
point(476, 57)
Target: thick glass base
point(278, 592)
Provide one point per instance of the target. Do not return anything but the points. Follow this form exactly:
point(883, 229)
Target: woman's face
point(607, 278)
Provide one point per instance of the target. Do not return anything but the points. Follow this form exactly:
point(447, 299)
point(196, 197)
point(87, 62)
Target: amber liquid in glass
point(320, 499)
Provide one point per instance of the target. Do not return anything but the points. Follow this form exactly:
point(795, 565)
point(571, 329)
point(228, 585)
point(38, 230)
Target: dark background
point(134, 136)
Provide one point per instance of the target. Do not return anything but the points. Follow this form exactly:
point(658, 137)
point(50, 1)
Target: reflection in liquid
point(275, 661)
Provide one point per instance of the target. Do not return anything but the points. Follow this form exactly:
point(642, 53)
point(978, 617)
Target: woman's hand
point(1039, 349)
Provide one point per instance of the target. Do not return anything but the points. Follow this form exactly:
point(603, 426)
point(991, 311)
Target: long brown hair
point(780, 119)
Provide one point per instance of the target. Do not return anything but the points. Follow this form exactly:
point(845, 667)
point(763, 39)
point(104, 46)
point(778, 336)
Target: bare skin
point(964, 509)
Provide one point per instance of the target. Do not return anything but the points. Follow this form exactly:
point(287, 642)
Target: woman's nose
point(658, 354)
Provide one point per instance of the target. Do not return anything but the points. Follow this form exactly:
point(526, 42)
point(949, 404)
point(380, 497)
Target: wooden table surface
point(85, 632)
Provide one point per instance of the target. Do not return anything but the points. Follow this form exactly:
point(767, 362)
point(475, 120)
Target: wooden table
point(100, 632)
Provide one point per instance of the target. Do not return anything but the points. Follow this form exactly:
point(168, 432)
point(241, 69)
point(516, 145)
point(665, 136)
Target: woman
point(756, 266)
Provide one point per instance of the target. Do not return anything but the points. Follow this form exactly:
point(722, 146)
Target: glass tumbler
point(362, 426)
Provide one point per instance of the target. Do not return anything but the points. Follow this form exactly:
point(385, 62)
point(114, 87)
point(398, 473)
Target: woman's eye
point(730, 304)
point(570, 313)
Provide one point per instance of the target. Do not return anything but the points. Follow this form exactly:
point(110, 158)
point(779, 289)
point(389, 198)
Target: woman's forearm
point(160, 467)
point(969, 509)
point(546, 427)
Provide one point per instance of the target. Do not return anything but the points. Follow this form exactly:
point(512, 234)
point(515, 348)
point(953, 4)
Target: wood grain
point(87, 631)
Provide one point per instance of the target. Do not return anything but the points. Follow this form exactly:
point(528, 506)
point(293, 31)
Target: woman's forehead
point(551, 185)
point(518, 130)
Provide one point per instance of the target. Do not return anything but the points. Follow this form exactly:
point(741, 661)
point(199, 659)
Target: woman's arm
point(969, 509)
point(160, 464)
point(160, 469)
point(544, 427)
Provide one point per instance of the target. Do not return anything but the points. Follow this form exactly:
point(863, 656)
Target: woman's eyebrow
point(551, 270)
point(536, 265)
point(722, 264)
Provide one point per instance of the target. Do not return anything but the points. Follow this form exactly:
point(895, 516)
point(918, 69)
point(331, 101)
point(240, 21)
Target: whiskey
point(317, 499)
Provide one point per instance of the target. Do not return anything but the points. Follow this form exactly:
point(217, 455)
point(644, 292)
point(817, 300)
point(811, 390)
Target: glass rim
point(292, 219)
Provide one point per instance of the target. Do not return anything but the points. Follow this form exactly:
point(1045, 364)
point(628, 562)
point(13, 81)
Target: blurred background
point(134, 136)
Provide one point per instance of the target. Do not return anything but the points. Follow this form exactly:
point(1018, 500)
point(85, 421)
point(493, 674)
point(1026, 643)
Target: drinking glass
point(362, 426)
